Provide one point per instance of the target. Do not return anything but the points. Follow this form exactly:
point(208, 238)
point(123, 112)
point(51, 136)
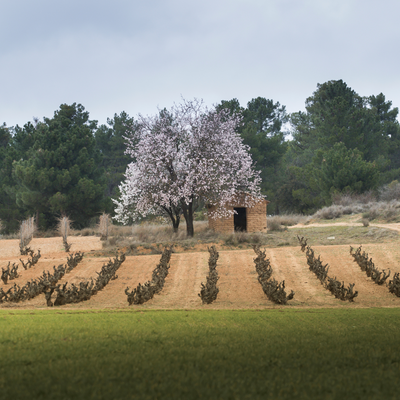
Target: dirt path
point(394, 226)
point(238, 285)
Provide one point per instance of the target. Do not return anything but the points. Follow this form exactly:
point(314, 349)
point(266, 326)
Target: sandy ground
point(238, 285)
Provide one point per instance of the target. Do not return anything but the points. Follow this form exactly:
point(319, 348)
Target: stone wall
point(256, 218)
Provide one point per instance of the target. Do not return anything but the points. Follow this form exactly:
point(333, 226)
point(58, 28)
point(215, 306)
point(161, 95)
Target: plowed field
point(238, 285)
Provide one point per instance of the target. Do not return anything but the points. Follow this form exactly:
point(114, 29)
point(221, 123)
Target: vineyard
point(321, 276)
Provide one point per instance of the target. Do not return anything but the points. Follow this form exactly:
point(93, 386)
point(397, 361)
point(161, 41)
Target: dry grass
point(278, 223)
point(84, 232)
point(237, 238)
point(147, 233)
point(378, 210)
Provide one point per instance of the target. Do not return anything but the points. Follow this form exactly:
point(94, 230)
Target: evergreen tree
point(60, 174)
point(345, 170)
point(9, 212)
point(344, 127)
point(387, 123)
point(261, 129)
point(111, 142)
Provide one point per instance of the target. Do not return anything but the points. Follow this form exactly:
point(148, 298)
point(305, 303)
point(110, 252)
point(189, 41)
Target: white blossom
point(183, 155)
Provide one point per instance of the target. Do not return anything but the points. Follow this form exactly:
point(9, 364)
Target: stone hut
point(246, 219)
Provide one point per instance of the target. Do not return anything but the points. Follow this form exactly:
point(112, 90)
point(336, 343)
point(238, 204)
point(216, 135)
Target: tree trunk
point(188, 214)
point(175, 224)
point(174, 214)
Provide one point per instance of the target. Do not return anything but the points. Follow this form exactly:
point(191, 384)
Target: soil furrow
point(238, 284)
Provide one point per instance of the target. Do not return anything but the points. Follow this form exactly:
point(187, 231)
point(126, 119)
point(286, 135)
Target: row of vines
point(61, 294)
point(337, 288)
point(43, 284)
point(274, 290)
point(379, 277)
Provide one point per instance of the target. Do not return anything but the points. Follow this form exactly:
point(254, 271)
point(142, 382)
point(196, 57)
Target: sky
point(141, 55)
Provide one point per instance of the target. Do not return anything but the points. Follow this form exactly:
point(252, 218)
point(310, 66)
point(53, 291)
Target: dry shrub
point(349, 199)
point(236, 238)
point(154, 233)
point(391, 212)
point(365, 222)
point(388, 211)
point(380, 233)
point(112, 241)
point(26, 231)
point(331, 212)
point(274, 224)
point(147, 234)
point(87, 232)
point(120, 230)
point(151, 233)
point(64, 228)
point(233, 239)
point(390, 192)
point(290, 219)
point(388, 208)
point(47, 233)
point(103, 226)
point(256, 238)
point(337, 211)
point(371, 214)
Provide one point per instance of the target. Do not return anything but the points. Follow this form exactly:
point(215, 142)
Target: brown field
point(238, 285)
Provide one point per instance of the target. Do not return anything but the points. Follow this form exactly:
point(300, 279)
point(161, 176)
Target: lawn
point(282, 354)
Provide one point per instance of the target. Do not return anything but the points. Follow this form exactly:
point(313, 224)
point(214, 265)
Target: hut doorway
point(240, 220)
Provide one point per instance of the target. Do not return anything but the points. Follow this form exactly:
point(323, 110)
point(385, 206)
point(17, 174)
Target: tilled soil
point(238, 285)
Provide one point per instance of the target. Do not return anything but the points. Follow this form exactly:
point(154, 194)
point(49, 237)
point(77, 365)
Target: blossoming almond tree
point(184, 155)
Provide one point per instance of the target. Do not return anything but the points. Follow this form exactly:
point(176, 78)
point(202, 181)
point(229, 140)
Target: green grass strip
point(280, 354)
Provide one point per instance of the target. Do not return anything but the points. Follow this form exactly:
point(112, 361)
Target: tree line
point(64, 165)
point(71, 165)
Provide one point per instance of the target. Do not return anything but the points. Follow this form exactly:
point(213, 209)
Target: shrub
point(103, 226)
point(349, 199)
point(390, 192)
point(365, 222)
point(64, 227)
point(289, 219)
point(231, 239)
point(331, 212)
point(26, 231)
point(274, 224)
point(87, 232)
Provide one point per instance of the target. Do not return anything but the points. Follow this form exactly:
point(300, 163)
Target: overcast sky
point(137, 55)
